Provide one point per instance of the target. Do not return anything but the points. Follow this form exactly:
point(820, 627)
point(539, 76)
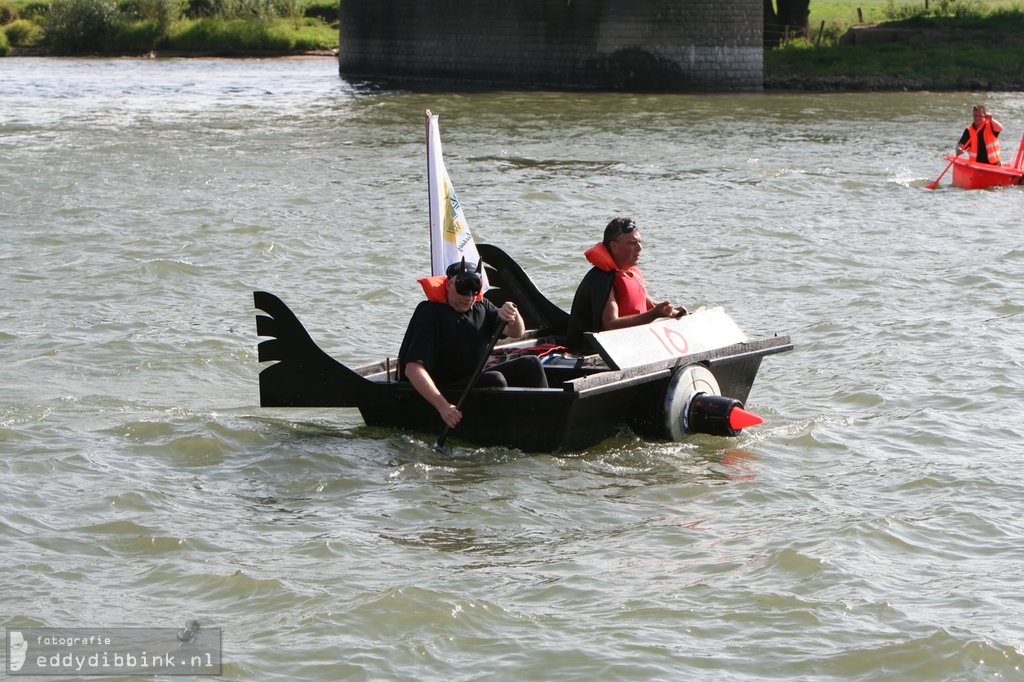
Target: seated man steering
point(613, 294)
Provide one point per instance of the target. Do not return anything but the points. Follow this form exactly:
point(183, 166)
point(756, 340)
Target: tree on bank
point(73, 26)
point(789, 17)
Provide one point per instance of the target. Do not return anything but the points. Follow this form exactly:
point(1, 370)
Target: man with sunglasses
point(613, 294)
point(449, 334)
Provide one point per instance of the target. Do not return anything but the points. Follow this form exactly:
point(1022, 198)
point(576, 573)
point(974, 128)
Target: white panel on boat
point(668, 338)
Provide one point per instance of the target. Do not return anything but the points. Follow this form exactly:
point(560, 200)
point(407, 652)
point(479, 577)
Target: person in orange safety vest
point(981, 138)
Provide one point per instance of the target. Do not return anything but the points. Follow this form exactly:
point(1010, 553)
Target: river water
point(870, 529)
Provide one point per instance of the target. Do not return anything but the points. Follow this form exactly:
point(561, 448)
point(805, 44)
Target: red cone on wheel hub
point(741, 419)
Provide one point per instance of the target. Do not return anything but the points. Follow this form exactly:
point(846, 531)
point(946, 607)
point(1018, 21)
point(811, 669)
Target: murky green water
point(870, 529)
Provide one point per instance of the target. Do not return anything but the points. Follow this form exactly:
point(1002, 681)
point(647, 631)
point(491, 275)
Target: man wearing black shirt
point(448, 336)
point(981, 138)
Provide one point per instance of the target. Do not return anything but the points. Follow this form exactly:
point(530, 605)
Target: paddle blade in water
point(936, 183)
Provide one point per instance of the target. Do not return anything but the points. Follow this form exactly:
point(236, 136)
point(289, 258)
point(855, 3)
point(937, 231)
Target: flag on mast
point(450, 238)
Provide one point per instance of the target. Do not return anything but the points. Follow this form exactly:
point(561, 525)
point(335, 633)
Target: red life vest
point(628, 285)
point(991, 143)
point(630, 292)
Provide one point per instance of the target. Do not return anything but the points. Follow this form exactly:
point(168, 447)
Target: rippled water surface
point(870, 529)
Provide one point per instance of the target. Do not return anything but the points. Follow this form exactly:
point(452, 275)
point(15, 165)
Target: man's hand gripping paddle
point(439, 446)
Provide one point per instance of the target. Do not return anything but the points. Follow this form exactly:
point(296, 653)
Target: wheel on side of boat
point(693, 404)
point(685, 385)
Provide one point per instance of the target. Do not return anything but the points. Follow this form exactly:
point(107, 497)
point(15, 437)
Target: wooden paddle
point(936, 183)
point(439, 446)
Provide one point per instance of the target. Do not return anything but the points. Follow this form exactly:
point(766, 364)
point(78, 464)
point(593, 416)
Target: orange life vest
point(436, 288)
point(991, 143)
point(629, 286)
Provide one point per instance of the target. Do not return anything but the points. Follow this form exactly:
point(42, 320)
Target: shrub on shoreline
point(22, 32)
point(74, 26)
point(132, 27)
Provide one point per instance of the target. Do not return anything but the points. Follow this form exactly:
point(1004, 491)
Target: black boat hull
point(585, 404)
point(531, 420)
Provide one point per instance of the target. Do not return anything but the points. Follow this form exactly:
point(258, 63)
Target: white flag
point(450, 239)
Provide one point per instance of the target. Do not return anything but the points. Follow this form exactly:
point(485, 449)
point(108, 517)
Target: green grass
point(24, 9)
point(839, 15)
point(876, 11)
point(244, 36)
point(189, 26)
point(844, 12)
point(22, 32)
point(977, 45)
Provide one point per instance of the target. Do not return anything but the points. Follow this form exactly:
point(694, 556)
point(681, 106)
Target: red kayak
point(971, 175)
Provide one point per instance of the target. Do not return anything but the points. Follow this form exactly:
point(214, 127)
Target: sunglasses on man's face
point(467, 287)
point(627, 228)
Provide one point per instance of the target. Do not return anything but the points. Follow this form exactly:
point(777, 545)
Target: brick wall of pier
point(635, 45)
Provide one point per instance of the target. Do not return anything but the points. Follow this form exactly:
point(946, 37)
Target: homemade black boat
point(665, 392)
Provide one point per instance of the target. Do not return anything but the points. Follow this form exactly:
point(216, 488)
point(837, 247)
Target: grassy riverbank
point(937, 45)
point(191, 27)
point(914, 45)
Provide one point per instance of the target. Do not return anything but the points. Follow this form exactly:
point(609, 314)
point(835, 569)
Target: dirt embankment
point(878, 83)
